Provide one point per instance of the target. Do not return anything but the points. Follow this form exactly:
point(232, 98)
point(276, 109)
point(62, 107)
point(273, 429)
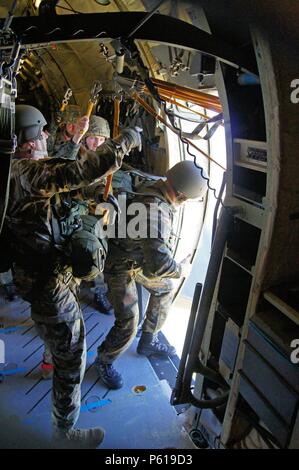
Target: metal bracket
point(9, 146)
point(176, 63)
point(7, 39)
point(6, 93)
point(42, 30)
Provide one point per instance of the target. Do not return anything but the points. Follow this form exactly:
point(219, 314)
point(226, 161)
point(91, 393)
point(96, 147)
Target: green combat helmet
point(71, 114)
point(98, 126)
point(29, 123)
point(188, 179)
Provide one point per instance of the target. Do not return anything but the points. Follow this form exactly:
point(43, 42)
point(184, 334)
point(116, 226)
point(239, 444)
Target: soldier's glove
point(134, 136)
point(185, 266)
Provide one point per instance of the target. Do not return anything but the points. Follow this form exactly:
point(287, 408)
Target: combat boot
point(108, 375)
point(150, 345)
point(78, 438)
point(102, 303)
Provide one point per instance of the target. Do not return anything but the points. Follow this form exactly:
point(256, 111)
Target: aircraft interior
point(210, 82)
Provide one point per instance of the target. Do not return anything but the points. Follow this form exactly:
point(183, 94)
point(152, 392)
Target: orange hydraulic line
point(196, 99)
point(189, 109)
point(150, 110)
point(174, 101)
point(170, 91)
point(108, 187)
point(205, 103)
point(181, 89)
point(172, 98)
point(187, 94)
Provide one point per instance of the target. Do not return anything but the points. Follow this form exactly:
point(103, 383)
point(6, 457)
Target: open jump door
point(237, 368)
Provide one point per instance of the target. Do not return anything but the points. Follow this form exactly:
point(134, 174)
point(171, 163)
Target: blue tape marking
point(12, 371)
point(12, 329)
point(90, 353)
point(95, 404)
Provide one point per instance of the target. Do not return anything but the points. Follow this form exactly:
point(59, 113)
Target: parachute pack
point(76, 235)
point(88, 249)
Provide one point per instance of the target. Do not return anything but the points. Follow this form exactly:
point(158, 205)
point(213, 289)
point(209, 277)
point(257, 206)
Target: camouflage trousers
point(56, 311)
point(66, 343)
point(122, 293)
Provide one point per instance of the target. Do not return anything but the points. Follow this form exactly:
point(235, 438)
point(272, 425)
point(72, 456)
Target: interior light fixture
point(103, 2)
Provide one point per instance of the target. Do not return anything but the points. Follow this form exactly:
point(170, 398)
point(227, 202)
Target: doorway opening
point(195, 218)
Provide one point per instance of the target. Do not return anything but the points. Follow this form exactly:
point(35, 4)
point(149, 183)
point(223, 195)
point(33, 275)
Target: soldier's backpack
point(81, 236)
point(88, 245)
point(88, 249)
point(76, 237)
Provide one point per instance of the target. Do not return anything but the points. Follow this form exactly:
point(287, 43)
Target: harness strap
point(108, 187)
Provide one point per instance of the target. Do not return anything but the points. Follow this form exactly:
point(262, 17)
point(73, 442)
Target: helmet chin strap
point(170, 192)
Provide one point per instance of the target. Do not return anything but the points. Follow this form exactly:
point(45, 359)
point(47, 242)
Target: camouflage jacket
point(65, 149)
point(35, 183)
point(153, 249)
point(55, 137)
point(57, 140)
point(94, 192)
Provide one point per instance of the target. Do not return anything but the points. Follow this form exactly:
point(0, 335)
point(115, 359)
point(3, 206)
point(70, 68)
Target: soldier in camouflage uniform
point(41, 267)
point(96, 135)
point(62, 129)
point(148, 260)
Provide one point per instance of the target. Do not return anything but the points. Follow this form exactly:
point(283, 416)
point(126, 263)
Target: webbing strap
point(108, 187)
point(8, 146)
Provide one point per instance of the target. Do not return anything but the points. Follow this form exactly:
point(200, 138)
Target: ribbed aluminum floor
point(143, 420)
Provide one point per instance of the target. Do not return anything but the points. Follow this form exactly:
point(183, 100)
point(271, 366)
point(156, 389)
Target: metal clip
point(118, 90)
point(117, 96)
point(104, 50)
point(67, 96)
point(95, 91)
